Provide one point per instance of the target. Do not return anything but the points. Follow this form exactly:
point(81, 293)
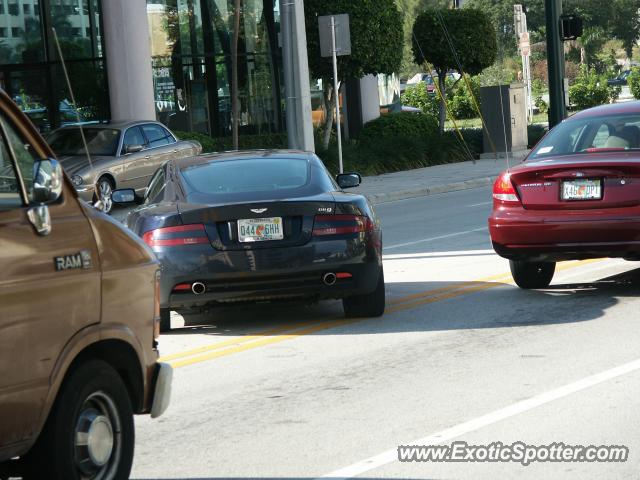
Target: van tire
point(92, 397)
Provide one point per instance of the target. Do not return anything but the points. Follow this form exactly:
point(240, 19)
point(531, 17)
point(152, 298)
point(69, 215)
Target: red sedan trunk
point(576, 196)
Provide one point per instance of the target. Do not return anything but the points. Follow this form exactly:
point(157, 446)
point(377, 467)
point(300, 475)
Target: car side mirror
point(47, 181)
point(133, 149)
point(124, 196)
point(349, 180)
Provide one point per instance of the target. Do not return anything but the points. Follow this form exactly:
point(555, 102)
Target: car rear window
point(591, 135)
point(100, 141)
point(247, 175)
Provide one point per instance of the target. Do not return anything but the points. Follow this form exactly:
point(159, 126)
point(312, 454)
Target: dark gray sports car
point(259, 226)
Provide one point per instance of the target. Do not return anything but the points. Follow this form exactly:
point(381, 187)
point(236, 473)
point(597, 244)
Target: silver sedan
point(121, 155)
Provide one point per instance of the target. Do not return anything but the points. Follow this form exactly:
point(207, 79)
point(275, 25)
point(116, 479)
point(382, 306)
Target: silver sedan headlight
point(77, 180)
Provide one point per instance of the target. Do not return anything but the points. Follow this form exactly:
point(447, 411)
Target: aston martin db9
point(259, 226)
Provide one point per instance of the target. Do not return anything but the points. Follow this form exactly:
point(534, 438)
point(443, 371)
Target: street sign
point(342, 36)
point(525, 46)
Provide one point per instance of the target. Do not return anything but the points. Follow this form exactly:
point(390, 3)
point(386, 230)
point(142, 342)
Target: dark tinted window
point(248, 175)
point(24, 153)
point(156, 187)
point(9, 191)
point(133, 136)
point(157, 136)
point(101, 141)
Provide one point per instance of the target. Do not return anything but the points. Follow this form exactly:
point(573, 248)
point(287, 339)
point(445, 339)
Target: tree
point(500, 13)
point(235, 94)
point(376, 45)
point(462, 40)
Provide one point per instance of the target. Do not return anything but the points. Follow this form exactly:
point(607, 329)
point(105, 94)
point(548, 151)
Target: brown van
point(79, 319)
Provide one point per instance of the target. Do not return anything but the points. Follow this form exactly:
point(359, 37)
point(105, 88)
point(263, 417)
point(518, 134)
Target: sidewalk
point(432, 180)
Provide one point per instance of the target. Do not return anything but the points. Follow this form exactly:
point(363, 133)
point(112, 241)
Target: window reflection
point(31, 73)
point(191, 49)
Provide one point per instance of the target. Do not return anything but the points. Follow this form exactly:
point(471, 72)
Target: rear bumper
point(536, 237)
point(161, 389)
point(267, 274)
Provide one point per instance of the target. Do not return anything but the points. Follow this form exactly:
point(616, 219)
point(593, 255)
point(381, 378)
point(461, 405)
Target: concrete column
point(296, 75)
point(128, 51)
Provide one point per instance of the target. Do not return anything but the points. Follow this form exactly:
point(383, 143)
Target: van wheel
point(165, 320)
point(367, 305)
point(532, 275)
point(89, 432)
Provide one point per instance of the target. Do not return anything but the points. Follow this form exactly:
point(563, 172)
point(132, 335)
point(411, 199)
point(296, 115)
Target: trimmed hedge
point(222, 144)
point(394, 125)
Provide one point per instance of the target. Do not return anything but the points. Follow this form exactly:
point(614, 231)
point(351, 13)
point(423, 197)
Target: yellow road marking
point(281, 334)
point(233, 341)
point(262, 342)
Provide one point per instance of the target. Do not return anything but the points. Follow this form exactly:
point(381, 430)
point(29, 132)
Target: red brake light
point(503, 189)
point(340, 225)
point(176, 236)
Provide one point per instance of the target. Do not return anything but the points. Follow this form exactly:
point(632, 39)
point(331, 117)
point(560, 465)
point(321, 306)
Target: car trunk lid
point(225, 224)
point(578, 184)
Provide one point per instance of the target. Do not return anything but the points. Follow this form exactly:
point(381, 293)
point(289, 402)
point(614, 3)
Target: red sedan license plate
point(582, 190)
point(260, 229)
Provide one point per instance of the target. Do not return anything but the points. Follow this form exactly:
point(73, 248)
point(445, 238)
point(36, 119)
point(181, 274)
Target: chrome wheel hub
point(105, 195)
point(97, 439)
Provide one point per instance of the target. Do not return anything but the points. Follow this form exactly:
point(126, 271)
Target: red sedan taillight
point(176, 236)
point(325, 225)
point(503, 190)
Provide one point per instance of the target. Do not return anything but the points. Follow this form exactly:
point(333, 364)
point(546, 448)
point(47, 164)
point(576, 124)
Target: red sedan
point(576, 196)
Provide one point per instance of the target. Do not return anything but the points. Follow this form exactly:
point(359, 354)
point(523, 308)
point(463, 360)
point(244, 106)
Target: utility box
point(504, 109)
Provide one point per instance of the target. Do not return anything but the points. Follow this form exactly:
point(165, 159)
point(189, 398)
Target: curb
point(378, 198)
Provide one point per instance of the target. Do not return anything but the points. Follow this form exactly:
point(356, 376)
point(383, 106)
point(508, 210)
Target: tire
point(92, 398)
point(165, 320)
point(106, 189)
point(532, 275)
point(367, 305)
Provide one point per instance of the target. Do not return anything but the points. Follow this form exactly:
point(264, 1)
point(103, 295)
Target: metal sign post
point(335, 39)
point(524, 45)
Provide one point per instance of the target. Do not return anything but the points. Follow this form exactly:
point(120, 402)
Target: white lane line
point(461, 253)
point(391, 456)
point(432, 239)
point(479, 204)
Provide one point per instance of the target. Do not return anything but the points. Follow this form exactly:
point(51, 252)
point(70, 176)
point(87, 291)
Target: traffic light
point(571, 27)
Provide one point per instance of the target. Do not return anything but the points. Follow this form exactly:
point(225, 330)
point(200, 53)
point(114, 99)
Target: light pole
point(555, 56)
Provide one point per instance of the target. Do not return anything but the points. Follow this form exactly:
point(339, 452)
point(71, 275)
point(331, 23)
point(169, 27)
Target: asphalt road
point(461, 354)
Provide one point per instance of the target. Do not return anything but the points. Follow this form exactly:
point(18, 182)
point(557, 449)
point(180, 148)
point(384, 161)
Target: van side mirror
point(349, 180)
point(47, 181)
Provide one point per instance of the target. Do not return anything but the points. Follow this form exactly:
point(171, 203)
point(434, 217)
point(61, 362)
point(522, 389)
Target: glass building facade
point(30, 67)
point(191, 43)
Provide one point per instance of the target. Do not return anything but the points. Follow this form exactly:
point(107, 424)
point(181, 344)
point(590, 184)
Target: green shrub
point(473, 137)
point(634, 82)
point(542, 106)
point(411, 125)
point(591, 90)
point(462, 105)
point(246, 142)
point(535, 133)
point(418, 97)
point(208, 144)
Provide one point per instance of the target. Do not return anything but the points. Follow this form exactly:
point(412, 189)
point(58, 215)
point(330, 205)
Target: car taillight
point(176, 236)
point(503, 189)
point(340, 225)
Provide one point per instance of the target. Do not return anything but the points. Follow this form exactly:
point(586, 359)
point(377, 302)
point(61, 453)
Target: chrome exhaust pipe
point(329, 279)
point(198, 288)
